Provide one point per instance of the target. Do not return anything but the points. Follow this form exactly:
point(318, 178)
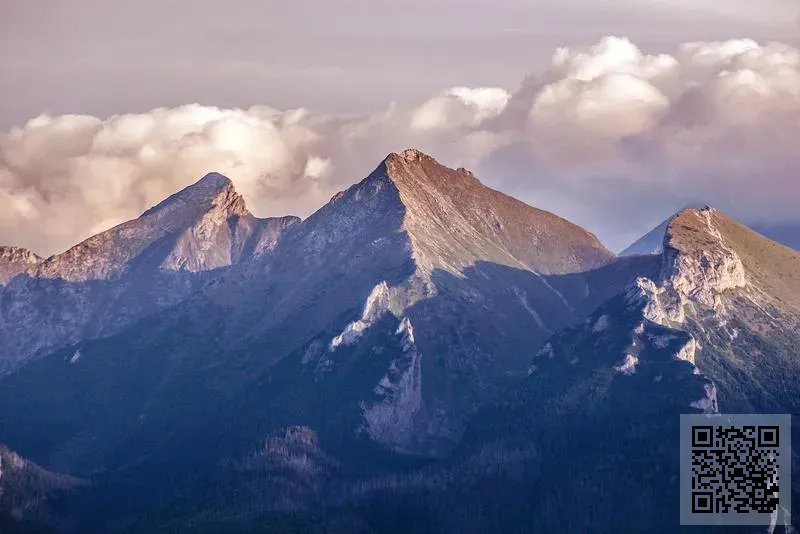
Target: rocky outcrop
point(25, 488)
point(375, 306)
point(699, 263)
point(699, 271)
point(390, 419)
point(14, 261)
point(295, 448)
point(698, 268)
point(660, 303)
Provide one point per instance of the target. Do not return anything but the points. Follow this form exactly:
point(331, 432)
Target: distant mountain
point(118, 276)
point(650, 243)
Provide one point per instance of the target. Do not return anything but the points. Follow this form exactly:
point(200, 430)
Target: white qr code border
point(720, 484)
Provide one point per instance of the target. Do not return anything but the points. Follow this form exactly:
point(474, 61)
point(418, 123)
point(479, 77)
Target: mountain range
point(423, 353)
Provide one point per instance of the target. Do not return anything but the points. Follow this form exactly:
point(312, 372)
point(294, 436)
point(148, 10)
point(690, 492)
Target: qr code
point(733, 467)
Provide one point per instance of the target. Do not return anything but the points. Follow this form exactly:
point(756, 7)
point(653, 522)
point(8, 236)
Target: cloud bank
point(606, 136)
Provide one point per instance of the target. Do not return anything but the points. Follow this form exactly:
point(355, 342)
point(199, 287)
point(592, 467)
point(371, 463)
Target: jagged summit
point(415, 159)
point(730, 254)
point(213, 180)
point(15, 260)
point(195, 227)
point(454, 220)
point(211, 189)
point(409, 155)
point(703, 231)
point(10, 253)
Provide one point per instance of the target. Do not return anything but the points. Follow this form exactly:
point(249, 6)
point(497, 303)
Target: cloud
point(607, 135)
point(460, 107)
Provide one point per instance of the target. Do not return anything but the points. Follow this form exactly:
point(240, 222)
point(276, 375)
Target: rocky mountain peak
point(409, 155)
point(12, 253)
point(695, 230)
point(699, 265)
point(15, 260)
point(709, 259)
point(213, 180)
point(212, 191)
point(195, 218)
point(423, 166)
point(454, 221)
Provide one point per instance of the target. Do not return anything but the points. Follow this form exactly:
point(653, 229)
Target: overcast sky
point(106, 57)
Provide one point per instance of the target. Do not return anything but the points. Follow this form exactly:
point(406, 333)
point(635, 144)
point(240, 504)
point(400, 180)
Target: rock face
point(15, 260)
point(699, 268)
point(454, 221)
point(123, 274)
point(391, 420)
point(25, 488)
point(702, 266)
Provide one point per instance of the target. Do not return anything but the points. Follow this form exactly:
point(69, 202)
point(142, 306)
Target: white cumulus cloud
point(607, 135)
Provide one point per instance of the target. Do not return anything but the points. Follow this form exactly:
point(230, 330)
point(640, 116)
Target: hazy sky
point(103, 57)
